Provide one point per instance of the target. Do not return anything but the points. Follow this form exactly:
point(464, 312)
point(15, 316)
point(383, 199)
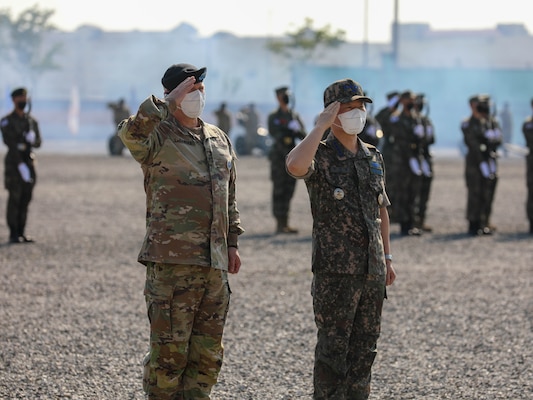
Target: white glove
point(24, 172)
point(415, 166)
point(429, 131)
point(484, 167)
point(419, 130)
point(294, 125)
point(393, 101)
point(426, 169)
point(490, 134)
point(492, 167)
point(30, 137)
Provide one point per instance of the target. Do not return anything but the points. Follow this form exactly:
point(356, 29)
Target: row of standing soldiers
point(405, 133)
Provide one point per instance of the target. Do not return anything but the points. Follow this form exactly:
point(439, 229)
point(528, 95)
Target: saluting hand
point(327, 116)
point(176, 96)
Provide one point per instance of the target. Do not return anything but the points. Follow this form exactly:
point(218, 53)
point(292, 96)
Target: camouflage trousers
point(348, 318)
point(187, 307)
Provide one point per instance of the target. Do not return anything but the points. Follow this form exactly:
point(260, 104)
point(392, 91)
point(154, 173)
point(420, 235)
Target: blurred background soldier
point(21, 134)
point(506, 121)
point(405, 172)
point(120, 113)
point(372, 132)
point(285, 127)
point(426, 161)
point(482, 136)
point(527, 130)
point(223, 118)
point(383, 119)
point(249, 119)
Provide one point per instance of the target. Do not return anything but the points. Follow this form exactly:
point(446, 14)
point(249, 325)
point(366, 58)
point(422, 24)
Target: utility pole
point(395, 35)
point(365, 36)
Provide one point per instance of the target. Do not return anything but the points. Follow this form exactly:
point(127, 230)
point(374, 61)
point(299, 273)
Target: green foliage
point(306, 40)
point(21, 39)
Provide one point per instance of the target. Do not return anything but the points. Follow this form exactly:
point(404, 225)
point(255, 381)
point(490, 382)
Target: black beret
point(19, 92)
point(281, 90)
point(177, 73)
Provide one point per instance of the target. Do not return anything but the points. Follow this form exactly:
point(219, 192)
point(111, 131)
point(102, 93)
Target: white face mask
point(353, 121)
point(193, 104)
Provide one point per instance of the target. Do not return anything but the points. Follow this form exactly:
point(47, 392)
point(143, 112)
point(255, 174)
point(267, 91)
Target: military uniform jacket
point(19, 150)
point(284, 137)
point(480, 148)
point(346, 192)
point(189, 180)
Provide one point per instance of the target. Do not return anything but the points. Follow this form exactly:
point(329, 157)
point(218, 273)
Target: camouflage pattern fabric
point(19, 150)
point(283, 185)
point(348, 317)
point(187, 307)
point(342, 187)
point(481, 189)
point(189, 179)
point(527, 130)
point(346, 192)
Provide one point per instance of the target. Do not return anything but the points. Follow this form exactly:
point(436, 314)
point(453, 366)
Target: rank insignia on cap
point(338, 194)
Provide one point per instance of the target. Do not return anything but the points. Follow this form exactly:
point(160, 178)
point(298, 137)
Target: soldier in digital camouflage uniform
point(284, 126)
point(192, 227)
point(351, 259)
point(482, 136)
point(20, 132)
point(527, 130)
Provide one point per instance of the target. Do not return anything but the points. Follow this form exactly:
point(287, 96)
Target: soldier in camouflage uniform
point(21, 135)
point(482, 136)
point(527, 130)
point(351, 247)
point(405, 172)
point(284, 126)
point(192, 227)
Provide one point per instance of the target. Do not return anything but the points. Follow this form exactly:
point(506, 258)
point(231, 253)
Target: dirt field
point(457, 324)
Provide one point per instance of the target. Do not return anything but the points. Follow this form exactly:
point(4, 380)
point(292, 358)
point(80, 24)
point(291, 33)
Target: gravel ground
point(457, 324)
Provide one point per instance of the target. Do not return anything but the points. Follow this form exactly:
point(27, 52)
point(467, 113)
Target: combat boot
point(283, 226)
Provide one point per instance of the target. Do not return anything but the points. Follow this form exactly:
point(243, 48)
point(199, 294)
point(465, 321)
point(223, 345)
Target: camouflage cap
point(177, 73)
point(344, 91)
point(19, 92)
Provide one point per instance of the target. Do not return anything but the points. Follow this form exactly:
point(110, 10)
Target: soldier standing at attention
point(223, 118)
point(351, 246)
point(482, 137)
point(21, 135)
point(426, 163)
point(192, 227)
point(284, 126)
point(383, 118)
point(527, 130)
point(405, 171)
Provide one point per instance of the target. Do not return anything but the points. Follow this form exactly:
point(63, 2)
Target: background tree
point(304, 43)
point(21, 41)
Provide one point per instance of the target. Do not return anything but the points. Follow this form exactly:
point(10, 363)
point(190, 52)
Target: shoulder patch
point(4, 122)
